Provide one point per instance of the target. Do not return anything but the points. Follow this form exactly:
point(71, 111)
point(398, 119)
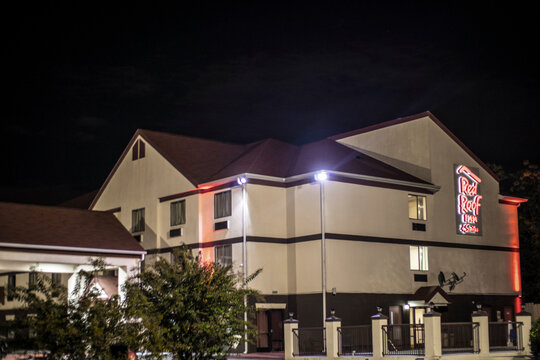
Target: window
point(137, 220)
point(417, 207)
point(419, 258)
point(223, 255)
point(178, 212)
point(32, 279)
point(56, 282)
point(138, 150)
point(12, 283)
point(222, 204)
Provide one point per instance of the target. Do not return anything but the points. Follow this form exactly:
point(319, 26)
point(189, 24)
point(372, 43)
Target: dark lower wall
point(357, 309)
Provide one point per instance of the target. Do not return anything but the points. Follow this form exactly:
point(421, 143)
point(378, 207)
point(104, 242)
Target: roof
point(42, 227)
point(80, 202)
point(402, 120)
point(426, 293)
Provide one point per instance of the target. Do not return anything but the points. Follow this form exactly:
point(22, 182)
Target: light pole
point(321, 177)
point(242, 181)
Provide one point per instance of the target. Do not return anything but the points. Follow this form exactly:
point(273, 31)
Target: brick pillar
point(377, 322)
point(288, 337)
point(481, 317)
point(332, 342)
point(526, 319)
point(432, 333)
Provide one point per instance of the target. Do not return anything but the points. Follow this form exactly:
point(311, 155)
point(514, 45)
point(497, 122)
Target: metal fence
point(406, 339)
point(460, 337)
point(309, 341)
point(355, 340)
point(505, 336)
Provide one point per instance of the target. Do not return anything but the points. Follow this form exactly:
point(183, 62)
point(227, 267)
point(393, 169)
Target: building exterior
point(401, 215)
point(60, 242)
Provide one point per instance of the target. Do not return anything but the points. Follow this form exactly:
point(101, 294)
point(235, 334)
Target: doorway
point(269, 330)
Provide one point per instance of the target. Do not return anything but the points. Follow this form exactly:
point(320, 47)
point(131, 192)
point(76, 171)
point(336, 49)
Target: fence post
point(432, 333)
point(332, 342)
point(377, 322)
point(525, 318)
point(481, 317)
point(288, 337)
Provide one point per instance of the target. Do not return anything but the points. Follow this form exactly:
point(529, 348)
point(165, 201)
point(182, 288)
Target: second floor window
point(222, 204)
point(417, 207)
point(137, 220)
point(178, 212)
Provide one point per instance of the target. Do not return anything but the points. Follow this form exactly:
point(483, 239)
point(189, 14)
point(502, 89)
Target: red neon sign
point(468, 201)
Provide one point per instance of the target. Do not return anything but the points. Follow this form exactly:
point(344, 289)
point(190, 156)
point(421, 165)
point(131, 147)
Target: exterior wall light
point(321, 176)
point(241, 180)
point(406, 306)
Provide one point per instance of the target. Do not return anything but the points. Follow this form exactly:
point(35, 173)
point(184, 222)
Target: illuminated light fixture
point(321, 176)
point(241, 180)
point(406, 306)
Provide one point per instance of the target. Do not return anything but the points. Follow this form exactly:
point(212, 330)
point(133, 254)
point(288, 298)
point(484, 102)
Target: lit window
point(137, 220)
point(222, 204)
point(178, 212)
point(223, 255)
point(417, 207)
point(138, 150)
point(419, 258)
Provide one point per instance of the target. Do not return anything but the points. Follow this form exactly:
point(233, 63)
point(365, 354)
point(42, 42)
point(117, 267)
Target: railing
point(309, 341)
point(355, 340)
point(407, 339)
point(505, 336)
point(460, 337)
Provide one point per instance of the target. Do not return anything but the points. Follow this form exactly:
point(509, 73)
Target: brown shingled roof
point(56, 226)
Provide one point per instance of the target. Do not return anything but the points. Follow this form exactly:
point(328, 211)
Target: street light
point(321, 177)
point(242, 182)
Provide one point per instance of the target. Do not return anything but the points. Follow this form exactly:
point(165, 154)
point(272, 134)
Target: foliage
point(193, 310)
point(535, 339)
point(82, 329)
point(525, 183)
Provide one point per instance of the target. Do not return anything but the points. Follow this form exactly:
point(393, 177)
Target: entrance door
point(270, 330)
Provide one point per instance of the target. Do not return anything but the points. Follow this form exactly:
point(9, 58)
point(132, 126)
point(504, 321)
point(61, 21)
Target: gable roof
point(39, 227)
point(402, 120)
point(426, 293)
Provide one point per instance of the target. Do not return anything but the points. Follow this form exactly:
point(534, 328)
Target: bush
point(535, 339)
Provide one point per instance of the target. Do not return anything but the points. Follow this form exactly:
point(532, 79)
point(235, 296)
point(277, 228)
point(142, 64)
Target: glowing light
point(241, 180)
point(468, 201)
point(406, 307)
point(321, 176)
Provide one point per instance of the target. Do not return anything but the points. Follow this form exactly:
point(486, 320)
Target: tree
point(85, 328)
point(189, 308)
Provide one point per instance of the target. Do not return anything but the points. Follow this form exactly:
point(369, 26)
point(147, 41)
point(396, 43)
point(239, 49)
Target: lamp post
point(242, 181)
point(321, 177)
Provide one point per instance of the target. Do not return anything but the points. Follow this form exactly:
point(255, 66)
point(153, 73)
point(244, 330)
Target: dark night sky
point(78, 81)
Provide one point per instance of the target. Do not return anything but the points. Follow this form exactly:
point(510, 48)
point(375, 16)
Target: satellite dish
point(442, 279)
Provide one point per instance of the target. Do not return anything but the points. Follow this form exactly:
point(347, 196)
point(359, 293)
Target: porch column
point(432, 333)
point(525, 318)
point(288, 337)
point(481, 317)
point(332, 341)
point(377, 322)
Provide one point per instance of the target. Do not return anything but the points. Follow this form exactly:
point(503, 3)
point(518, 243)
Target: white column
point(122, 278)
point(332, 342)
point(481, 318)
point(377, 322)
point(526, 319)
point(288, 338)
point(432, 333)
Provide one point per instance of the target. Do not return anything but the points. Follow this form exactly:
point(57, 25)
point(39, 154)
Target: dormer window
point(138, 150)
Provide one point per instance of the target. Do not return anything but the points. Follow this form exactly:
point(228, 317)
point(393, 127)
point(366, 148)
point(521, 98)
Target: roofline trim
point(290, 179)
point(72, 248)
